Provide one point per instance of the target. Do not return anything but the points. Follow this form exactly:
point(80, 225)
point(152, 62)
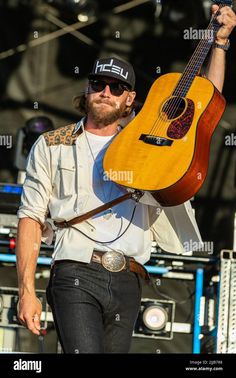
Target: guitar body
point(165, 148)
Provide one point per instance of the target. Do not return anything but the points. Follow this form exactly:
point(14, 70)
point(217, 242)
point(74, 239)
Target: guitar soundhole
point(173, 108)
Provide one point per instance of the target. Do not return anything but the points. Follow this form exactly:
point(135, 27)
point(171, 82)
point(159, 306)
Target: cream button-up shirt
point(53, 184)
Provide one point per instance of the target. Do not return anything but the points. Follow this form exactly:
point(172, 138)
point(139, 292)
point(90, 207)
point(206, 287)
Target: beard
point(104, 115)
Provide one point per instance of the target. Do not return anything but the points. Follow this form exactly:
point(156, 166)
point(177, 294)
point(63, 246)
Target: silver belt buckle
point(113, 261)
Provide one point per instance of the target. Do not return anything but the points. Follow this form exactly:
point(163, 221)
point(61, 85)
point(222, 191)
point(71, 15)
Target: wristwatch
point(224, 47)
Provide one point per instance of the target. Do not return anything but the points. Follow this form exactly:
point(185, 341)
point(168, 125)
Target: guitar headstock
point(229, 3)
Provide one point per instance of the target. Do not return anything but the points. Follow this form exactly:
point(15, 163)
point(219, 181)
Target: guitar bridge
point(155, 140)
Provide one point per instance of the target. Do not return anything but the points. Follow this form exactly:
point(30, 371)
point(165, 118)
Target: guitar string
point(202, 46)
point(185, 83)
point(174, 103)
point(182, 86)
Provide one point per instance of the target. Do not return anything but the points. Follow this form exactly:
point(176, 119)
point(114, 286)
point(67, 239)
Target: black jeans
point(94, 310)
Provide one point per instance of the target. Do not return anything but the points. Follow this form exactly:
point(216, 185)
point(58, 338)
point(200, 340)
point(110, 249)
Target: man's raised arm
point(216, 67)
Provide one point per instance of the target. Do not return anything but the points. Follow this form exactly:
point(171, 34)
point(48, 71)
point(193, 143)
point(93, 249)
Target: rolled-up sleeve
point(37, 187)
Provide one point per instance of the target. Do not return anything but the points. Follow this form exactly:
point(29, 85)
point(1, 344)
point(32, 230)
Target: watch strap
point(224, 47)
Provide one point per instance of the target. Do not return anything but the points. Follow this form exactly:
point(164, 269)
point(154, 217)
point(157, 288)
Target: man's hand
point(29, 312)
point(227, 19)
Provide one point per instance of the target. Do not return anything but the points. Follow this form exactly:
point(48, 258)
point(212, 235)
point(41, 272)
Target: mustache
point(100, 101)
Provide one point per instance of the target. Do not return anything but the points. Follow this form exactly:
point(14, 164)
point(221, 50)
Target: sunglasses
point(116, 89)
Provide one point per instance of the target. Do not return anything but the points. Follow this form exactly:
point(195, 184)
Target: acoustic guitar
point(165, 148)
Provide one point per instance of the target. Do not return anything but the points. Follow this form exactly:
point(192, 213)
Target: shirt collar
point(79, 125)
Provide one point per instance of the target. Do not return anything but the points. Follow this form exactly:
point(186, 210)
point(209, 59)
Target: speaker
point(168, 326)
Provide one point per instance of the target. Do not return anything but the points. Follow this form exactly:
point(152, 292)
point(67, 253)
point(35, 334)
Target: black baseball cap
point(115, 68)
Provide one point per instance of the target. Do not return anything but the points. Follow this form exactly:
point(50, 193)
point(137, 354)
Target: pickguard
point(179, 127)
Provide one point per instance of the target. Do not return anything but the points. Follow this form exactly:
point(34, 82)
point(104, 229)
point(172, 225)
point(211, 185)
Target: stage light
point(86, 9)
point(155, 319)
point(83, 9)
point(33, 128)
point(27, 136)
point(157, 6)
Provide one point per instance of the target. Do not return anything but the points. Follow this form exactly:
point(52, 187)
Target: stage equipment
point(226, 330)
point(27, 136)
point(8, 232)
point(179, 315)
point(9, 198)
point(8, 307)
point(155, 319)
point(13, 336)
point(84, 10)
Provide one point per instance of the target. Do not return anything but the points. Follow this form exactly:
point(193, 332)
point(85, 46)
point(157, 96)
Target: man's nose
point(106, 91)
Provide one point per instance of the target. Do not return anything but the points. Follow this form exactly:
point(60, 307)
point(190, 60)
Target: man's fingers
point(227, 21)
point(223, 11)
point(214, 8)
point(21, 321)
point(30, 322)
point(36, 320)
point(33, 324)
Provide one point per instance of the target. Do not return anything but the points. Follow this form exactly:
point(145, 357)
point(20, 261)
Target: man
point(94, 299)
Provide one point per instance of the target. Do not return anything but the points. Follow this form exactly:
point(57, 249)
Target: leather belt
point(107, 259)
point(115, 261)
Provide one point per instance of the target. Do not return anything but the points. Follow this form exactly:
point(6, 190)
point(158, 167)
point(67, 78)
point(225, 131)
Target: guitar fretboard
point(198, 57)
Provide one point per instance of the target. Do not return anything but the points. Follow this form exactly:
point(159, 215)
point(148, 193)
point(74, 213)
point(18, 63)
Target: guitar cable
point(113, 240)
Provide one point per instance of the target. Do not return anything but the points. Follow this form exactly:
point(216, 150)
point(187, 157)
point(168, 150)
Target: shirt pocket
point(67, 178)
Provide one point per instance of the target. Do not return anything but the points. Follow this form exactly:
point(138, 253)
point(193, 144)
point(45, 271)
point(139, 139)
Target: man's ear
point(130, 98)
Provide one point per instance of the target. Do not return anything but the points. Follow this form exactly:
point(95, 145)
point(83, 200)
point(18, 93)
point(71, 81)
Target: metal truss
point(65, 29)
point(226, 332)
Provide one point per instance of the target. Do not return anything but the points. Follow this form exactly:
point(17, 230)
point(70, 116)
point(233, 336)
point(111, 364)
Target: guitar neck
point(198, 57)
